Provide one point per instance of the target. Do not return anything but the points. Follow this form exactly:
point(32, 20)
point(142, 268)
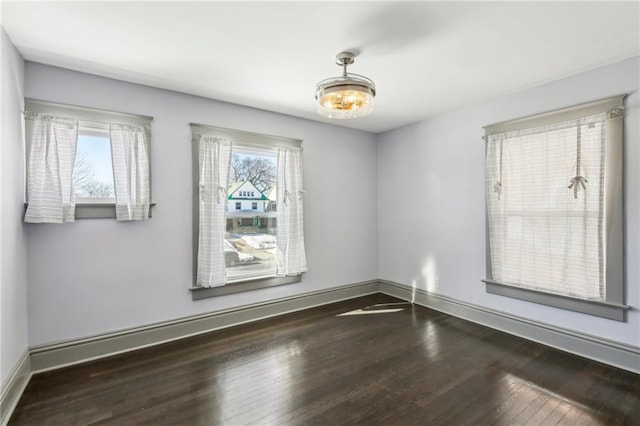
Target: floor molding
point(617, 354)
point(15, 385)
point(76, 351)
point(62, 354)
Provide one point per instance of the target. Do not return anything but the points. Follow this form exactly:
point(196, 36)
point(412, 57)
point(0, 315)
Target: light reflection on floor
point(530, 393)
point(382, 308)
point(363, 312)
point(262, 381)
point(431, 340)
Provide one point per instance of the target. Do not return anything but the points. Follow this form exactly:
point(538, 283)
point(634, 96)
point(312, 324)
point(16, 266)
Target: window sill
point(198, 293)
point(600, 309)
point(97, 210)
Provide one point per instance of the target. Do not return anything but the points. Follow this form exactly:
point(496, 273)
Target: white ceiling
point(425, 57)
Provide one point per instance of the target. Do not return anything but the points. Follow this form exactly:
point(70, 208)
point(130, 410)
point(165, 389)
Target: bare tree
point(82, 172)
point(85, 182)
point(258, 170)
point(97, 189)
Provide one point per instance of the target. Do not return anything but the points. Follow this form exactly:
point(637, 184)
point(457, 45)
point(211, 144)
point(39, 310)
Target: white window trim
point(90, 208)
point(247, 141)
point(613, 307)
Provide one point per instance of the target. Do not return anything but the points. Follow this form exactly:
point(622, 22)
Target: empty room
point(328, 213)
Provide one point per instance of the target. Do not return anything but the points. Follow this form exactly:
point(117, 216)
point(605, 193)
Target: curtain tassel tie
point(222, 194)
point(575, 183)
point(497, 188)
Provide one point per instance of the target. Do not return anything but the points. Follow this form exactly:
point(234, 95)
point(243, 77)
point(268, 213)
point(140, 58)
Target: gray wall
point(431, 199)
point(96, 276)
point(13, 249)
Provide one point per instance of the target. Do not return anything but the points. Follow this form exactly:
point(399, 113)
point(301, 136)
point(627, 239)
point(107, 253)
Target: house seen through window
point(248, 208)
point(250, 240)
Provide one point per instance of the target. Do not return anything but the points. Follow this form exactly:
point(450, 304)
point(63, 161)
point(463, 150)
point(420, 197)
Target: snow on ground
point(260, 241)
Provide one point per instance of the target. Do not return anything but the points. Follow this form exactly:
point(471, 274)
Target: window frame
point(91, 119)
point(613, 307)
point(246, 140)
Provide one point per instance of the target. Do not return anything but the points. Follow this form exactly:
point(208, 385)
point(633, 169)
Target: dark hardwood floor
point(413, 366)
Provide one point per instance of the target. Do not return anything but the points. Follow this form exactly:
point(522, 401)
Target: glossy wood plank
point(317, 367)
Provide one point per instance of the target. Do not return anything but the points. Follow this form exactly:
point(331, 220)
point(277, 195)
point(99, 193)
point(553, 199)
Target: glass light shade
point(345, 97)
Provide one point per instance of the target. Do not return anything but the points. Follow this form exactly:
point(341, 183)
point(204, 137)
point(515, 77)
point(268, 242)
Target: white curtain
point(130, 156)
point(545, 192)
point(50, 177)
point(291, 255)
point(215, 160)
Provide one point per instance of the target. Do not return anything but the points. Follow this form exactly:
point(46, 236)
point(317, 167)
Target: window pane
point(93, 172)
point(250, 245)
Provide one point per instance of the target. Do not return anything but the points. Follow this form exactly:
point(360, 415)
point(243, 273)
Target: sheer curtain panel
point(50, 176)
point(545, 192)
point(215, 160)
point(291, 256)
point(130, 156)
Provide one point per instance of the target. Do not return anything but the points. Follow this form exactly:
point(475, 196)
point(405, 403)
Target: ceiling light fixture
point(347, 96)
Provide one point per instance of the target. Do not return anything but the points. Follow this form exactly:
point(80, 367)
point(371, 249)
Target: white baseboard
point(14, 386)
point(596, 348)
point(62, 354)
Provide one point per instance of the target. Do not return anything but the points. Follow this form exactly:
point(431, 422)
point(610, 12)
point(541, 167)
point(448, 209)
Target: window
point(266, 169)
point(255, 240)
point(238, 205)
point(93, 170)
point(86, 163)
point(554, 208)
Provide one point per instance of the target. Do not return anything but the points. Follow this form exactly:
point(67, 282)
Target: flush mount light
point(347, 96)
